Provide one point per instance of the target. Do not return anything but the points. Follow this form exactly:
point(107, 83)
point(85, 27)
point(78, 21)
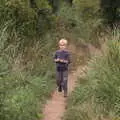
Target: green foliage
point(77, 113)
point(82, 20)
point(3, 66)
point(23, 89)
point(29, 31)
point(26, 21)
point(107, 89)
point(99, 95)
point(111, 11)
point(22, 96)
point(55, 4)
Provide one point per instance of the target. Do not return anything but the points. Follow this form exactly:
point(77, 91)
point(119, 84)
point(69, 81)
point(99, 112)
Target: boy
point(62, 59)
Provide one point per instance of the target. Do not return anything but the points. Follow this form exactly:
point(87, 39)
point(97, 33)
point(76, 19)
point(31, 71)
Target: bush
point(99, 95)
point(22, 96)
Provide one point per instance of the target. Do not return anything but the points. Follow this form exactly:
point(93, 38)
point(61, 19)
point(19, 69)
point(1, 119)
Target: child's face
point(62, 46)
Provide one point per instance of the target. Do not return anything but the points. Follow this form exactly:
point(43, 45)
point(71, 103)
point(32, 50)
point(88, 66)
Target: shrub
point(99, 95)
point(22, 96)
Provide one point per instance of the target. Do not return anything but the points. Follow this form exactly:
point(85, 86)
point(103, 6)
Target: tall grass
point(26, 75)
point(98, 95)
point(25, 83)
point(22, 96)
point(26, 65)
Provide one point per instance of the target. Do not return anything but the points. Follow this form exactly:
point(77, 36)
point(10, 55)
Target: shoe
point(59, 89)
point(65, 94)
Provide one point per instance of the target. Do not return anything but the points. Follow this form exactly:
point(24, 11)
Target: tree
point(69, 1)
point(111, 11)
point(32, 3)
point(54, 4)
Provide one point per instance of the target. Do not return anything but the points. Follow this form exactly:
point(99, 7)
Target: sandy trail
point(55, 107)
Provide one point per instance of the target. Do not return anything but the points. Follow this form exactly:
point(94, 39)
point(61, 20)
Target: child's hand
point(63, 61)
point(57, 60)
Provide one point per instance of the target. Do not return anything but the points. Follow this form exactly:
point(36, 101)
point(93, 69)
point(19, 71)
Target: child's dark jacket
point(64, 55)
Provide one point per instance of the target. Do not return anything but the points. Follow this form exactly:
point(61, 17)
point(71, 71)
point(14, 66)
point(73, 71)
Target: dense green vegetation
point(29, 31)
point(26, 68)
point(111, 11)
point(97, 96)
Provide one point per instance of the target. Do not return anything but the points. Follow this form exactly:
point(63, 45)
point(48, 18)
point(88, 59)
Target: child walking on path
point(62, 60)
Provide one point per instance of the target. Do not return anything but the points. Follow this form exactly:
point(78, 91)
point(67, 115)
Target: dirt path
point(55, 107)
